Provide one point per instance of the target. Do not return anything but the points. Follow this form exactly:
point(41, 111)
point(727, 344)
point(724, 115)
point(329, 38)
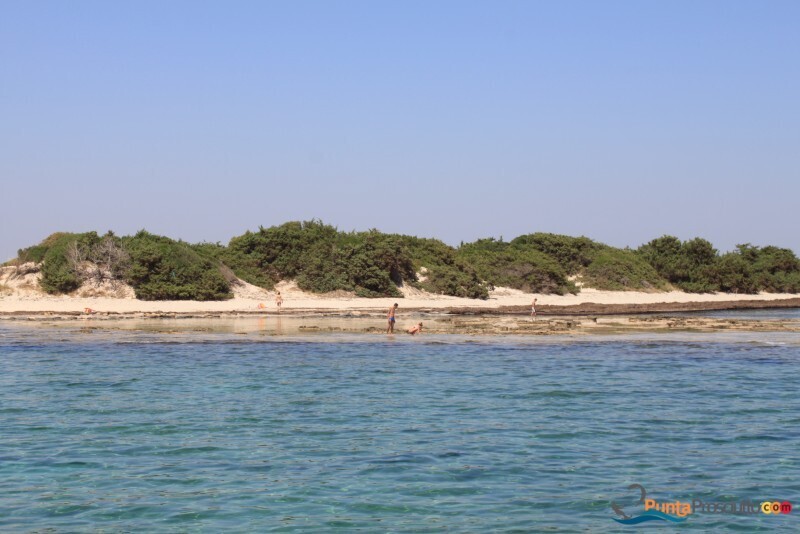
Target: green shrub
point(245, 256)
point(372, 264)
point(446, 272)
point(518, 265)
point(322, 259)
point(58, 275)
point(775, 269)
point(377, 263)
point(35, 254)
point(164, 269)
point(689, 265)
point(541, 263)
point(572, 254)
point(621, 270)
point(734, 274)
point(695, 266)
point(59, 268)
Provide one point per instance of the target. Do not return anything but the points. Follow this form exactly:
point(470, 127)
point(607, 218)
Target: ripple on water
point(144, 434)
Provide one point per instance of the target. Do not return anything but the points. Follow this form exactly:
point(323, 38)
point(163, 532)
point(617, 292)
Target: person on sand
point(391, 318)
point(416, 329)
point(278, 300)
point(533, 309)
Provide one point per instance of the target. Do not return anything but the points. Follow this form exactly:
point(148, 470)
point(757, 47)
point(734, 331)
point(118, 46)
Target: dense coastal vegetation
point(158, 268)
point(374, 264)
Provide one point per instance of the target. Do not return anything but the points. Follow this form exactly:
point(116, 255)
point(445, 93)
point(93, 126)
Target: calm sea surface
point(153, 432)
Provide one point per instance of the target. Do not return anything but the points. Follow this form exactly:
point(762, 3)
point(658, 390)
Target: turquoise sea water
point(146, 432)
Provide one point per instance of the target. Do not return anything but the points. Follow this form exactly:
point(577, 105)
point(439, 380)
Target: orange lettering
point(685, 510)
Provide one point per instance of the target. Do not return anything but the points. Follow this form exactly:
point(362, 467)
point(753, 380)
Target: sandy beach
point(22, 296)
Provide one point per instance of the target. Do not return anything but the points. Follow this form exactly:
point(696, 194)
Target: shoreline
point(249, 298)
point(437, 325)
point(132, 308)
point(253, 310)
point(578, 320)
point(591, 308)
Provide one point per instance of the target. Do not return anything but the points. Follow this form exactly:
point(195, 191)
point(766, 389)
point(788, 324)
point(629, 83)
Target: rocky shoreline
point(587, 318)
point(591, 308)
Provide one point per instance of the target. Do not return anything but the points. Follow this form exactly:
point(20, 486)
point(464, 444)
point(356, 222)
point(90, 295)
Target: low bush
point(621, 270)
point(445, 271)
point(688, 265)
point(322, 259)
point(58, 273)
point(164, 269)
point(518, 265)
point(777, 270)
point(734, 274)
point(572, 254)
point(695, 266)
point(373, 264)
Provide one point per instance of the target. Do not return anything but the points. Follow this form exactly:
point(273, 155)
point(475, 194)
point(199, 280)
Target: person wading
point(391, 318)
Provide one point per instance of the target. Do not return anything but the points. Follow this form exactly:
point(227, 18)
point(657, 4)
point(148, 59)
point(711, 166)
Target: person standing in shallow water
point(391, 318)
point(533, 309)
point(278, 300)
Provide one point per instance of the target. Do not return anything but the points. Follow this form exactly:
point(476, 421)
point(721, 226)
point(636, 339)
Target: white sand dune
point(21, 294)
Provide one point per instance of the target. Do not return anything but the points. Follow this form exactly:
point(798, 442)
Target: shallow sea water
point(151, 432)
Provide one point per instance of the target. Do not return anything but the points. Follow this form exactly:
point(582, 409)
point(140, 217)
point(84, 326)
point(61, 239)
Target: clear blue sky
point(621, 121)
